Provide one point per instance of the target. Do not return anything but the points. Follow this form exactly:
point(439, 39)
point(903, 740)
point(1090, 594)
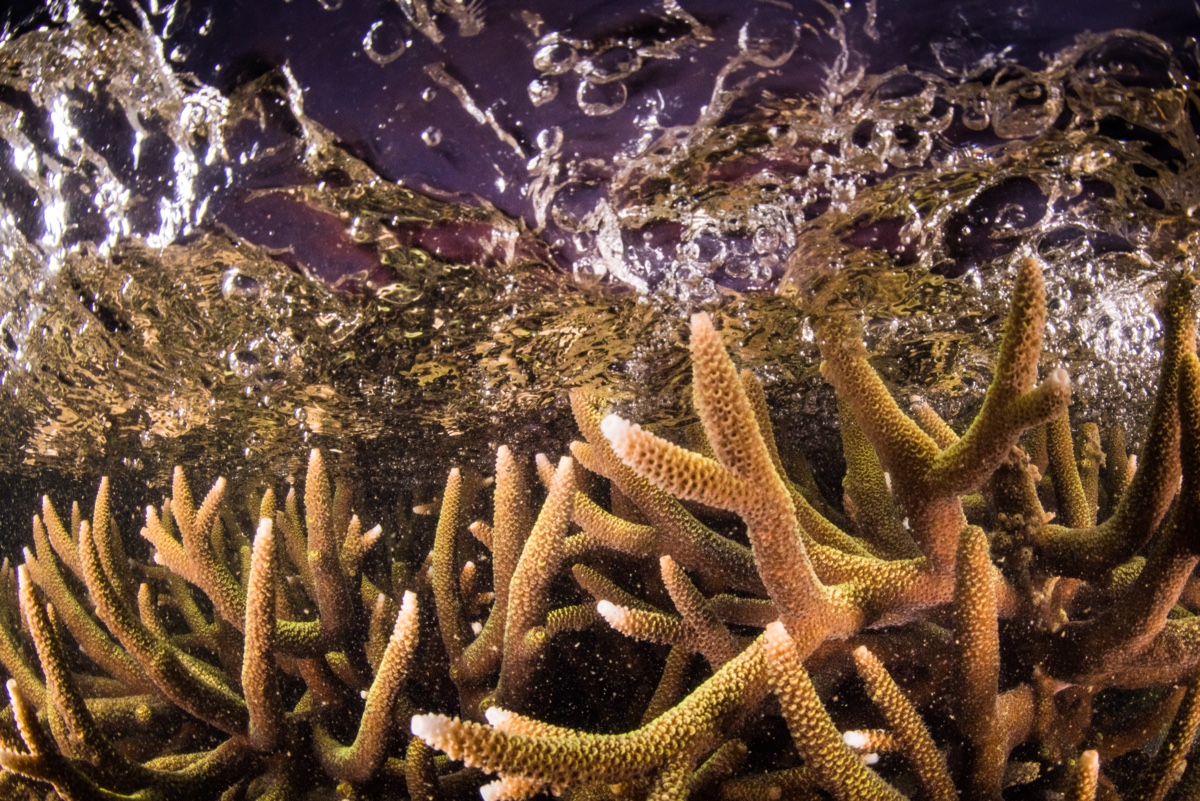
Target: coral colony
point(980, 614)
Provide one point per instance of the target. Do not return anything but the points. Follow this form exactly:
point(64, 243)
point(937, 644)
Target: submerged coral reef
point(955, 626)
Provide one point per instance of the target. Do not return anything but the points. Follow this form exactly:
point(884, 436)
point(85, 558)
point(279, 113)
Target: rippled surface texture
point(199, 265)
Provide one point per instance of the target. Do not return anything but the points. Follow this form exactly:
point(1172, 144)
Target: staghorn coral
point(965, 627)
point(207, 695)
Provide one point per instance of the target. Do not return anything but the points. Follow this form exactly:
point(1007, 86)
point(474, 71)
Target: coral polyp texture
point(1008, 611)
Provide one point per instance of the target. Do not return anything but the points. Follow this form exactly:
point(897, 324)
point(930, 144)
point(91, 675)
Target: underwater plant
point(978, 614)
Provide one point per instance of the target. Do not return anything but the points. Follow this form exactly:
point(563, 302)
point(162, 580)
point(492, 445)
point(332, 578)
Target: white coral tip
point(776, 631)
point(1059, 378)
point(701, 320)
point(854, 739)
point(430, 728)
point(616, 429)
point(497, 716)
point(615, 615)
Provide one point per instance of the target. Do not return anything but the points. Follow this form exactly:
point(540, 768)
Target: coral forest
point(1005, 611)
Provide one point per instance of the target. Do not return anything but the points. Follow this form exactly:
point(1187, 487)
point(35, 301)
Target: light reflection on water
point(189, 231)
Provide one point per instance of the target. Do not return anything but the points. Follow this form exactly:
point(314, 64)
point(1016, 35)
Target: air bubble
point(542, 90)
point(708, 250)
point(974, 110)
point(589, 270)
point(555, 58)
point(611, 65)
point(770, 36)
point(1022, 104)
point(766, 240)
point(432, 136)
point(549, 140)
point(598, 100)
point(236, 284)
point(243, 363)
point(428, 93)
point(383, 46)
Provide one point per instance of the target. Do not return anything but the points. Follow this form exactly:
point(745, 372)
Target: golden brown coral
point(905, 649)
point(911, 554)
point(275, 688)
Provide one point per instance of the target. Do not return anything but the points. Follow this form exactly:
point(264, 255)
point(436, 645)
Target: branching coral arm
point(359, 761)
point(681, 535)
point(1012, 404)
point(834, 765)
point(12, 655)
point(806, 494)
point(63, 541)
point(670, 684)
point(1173, 754)
point(928, 762)
point(928, 479)
point(92, 639)
point(451, 622)
point(210, 572)
point(1073, 507)
point(1089, 553)
point(978, 640)
point(1127, 626)
point(529, 600)
point(580, 759)
point(60, 689)
point(341, 626)
point(602, 588)
point(611, 531)
point(867, 491)
point(713, 639)
point(159, 660)
point(259, 677)
point(932, 424)
point(1085, 778)
point(743, 480)
point(512, 520)
point(648, 626)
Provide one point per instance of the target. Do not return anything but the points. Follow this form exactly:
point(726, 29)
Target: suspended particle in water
point(542, 90)
point(330, 5)
point(599, 100)
point(428, 93)
point(555, 58)
point(383, 45)
point(431, 136)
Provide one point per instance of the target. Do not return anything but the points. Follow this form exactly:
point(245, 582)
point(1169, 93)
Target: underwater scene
point(626, 400)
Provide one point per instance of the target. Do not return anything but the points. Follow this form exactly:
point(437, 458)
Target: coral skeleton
point(1008, 610)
